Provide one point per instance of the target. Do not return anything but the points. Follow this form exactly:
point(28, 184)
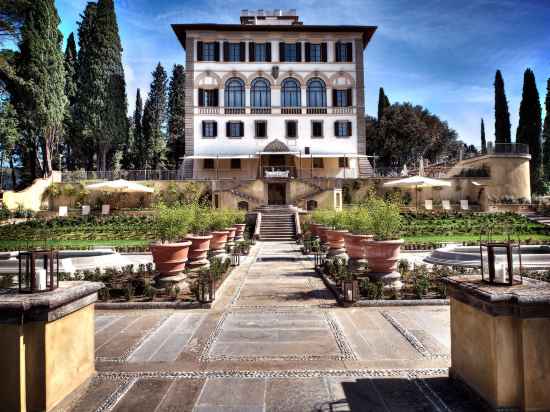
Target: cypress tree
point(139, 147)
point(154, 120)
point(546, 134)
point(41, 68)
point(502, 115)
point(383, 103)
point(483, 141)
point(530, 127)
point(176, 115)
point(71, 144)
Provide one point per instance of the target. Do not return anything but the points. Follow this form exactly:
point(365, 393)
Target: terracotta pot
point(354, 245)
point(322, 232)
point(314, 229)
point(383, 255)
point(198, 251)
point(239, 230)
point(217, 244)
point(170, 258)
point(336, 244)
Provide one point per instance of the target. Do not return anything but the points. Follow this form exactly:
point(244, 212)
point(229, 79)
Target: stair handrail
point(298, 228)
point(258, 225)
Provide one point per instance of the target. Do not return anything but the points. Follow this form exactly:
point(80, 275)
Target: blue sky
point(441, 54)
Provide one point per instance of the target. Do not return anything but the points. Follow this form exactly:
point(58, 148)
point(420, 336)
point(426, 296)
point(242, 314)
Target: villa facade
point(273, 105)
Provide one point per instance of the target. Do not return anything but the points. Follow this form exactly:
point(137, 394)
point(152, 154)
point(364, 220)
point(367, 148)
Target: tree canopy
point(502, 114)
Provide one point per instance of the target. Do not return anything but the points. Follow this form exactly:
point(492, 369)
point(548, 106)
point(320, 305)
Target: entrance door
point(276, 193)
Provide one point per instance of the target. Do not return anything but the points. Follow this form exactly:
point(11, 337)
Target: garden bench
point(105, 209)
point(63, 211)
point(446, 204)
point(464, 204)
point(428, 204)
point(86, 210)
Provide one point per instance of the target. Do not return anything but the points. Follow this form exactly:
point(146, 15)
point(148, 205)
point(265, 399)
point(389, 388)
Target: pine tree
point(546, 134)
point(176, 115)
point(483, 141)
point(9, 136)
point(154, 120)
point(530, 127)
point(101, 97)
point(502, 115)
point(41, 67)
point(139, 148)
point(383, 103)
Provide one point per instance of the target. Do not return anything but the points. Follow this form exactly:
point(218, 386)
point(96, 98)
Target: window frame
point(232, 166)
point(314, 93)
point(214, 125)
point(208, 47)
point(207, 161)
point(231, 95)
point(230, 129)
point(341, 49)
point(260, 93)
point(313, 122)
point(256, 123)
point(319, 165)
point(345, 161)
point(345, 125)
point(233, 52)
point(288, 47)
point(315, 52)
point(344, 99)
point(293, 91)
point(291, 121)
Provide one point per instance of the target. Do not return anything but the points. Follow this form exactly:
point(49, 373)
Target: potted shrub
point(383, 250)
point(321, 218)
point(219, 220)
point(170, 252)
point(335, 234)
point(199, 237)
point(359, 225)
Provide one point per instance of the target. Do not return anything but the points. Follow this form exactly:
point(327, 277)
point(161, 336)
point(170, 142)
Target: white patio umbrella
point(416, 182)
point(120, 186)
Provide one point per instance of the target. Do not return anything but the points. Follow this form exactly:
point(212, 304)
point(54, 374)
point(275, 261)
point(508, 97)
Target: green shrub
point(385, 218)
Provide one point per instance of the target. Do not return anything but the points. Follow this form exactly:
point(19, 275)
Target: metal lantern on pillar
point(38, 271)
point(350, 290)
point(207, 290)
point(501, 262)
point(235, 257)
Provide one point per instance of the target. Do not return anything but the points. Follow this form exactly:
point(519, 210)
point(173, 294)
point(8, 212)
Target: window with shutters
point(318, 163)
point(290, 93)
point(208, 98)
point(291, 52)
point(208, 163)
point(209, 51)
point(234, 52)
point(235, 129)
point(260, 93)
point(315, 53)
point(291, 129)
point(317, 128)
point(260, 127)
point(235, 163)
point(209, 128)
point(260, 52)
point(342, 129)
point(342, 98)
point(344, 51)
point(343, 162)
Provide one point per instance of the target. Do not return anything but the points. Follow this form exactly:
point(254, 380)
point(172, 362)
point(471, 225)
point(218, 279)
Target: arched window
point(234, 93)
point(316, 93)
point(290, 93)
point(260, 93)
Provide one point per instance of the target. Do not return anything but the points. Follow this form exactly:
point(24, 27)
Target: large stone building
point(274, 108)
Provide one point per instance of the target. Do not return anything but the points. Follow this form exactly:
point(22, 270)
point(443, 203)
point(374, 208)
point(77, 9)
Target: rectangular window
point(208, 164)
point(234, 52)
point(315, 53)
point(342, 129)
point(342, 98)
point(235, 163)
point(291, 129)
point(316, 128)
point(290, 52)
point(208, 98)
point(235, 129)
point(344, 51)
point(259, 52)
point(209, 129)
point(318, 163)
point(343, 162)
point(261, 129)
point(209, 51)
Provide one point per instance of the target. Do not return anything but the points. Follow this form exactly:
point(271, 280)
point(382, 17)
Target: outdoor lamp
point(501, 263)
point(36, 271)
point(235, 257)
point(350, 290)
point(206, 289)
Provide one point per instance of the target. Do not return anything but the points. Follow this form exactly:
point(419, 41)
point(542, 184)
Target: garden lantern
point(207, 290)
point(235, 257)
point(501, 263)
point(350, 290)
point(307, 246)
point(319, 258)
point(36, 271)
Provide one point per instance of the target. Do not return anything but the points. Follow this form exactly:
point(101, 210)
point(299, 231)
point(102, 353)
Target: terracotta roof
point(182, 29)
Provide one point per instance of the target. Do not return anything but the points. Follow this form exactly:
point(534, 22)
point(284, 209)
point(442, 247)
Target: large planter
point(217, 244)
point(382, 257)
point(336, 243)
point(170, 258)
point(355, 250)
point(198, 251)
point(239, 231)
point(322, 233)
point(230, 237)
point(314, 229)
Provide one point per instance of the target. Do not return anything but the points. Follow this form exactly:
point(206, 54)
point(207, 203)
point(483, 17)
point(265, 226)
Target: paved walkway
point(274, 341)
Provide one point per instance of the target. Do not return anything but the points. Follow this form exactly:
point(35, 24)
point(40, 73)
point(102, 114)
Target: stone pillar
point(46, 345)
point(499, 341)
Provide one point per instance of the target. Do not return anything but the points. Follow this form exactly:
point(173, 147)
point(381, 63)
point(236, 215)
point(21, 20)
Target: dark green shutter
point(242, 51)
point(349, 128)
point(241, 129)
point(215, 129)
point(203, 128)
point(299, 52)
point(308, 52)
point(228, 129)
point(251, 52)
point(282, 52)
point(334, 99)
point(336, 129)
point(268, 51)
point(225, 51)
point(350, 97)
point(201, 97)
point(217, 51)
point(349, 47)
point(324, 52)
point(199, 51)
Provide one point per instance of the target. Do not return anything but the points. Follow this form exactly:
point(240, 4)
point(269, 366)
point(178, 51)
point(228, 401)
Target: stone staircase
point(277, 223)
point(365, 168)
